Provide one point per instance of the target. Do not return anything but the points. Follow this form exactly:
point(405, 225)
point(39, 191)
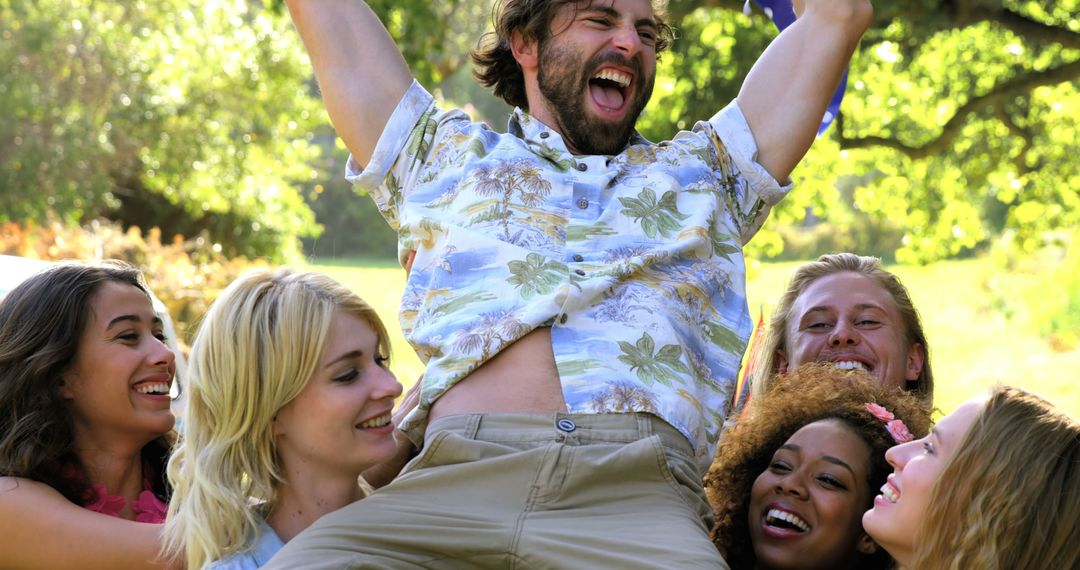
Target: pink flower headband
point(895, 427)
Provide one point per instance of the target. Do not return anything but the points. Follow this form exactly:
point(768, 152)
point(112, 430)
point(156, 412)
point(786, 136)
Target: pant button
point(566, 424)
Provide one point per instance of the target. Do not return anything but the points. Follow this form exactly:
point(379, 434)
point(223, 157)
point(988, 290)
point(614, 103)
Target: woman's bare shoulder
point(17, 489)
point(40, 528)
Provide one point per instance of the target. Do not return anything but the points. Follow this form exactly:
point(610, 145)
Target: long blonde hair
point(1009, 497)
point(805, 276)
point(256, 349)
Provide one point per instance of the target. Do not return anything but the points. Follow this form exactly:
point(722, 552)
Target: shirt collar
point(534, 132)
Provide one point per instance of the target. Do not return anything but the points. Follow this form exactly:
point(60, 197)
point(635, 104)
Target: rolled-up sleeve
point(731, 127)
point(396, 152)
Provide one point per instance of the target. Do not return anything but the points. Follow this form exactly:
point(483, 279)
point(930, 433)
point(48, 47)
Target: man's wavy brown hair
point(495, 63)
point(810, 393)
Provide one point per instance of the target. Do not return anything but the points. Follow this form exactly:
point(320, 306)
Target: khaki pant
point(516, 491)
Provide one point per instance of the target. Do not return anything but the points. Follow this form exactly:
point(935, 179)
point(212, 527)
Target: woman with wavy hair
point(289, 400)
point(996, 485)
point(85, 420)
point(794, 475)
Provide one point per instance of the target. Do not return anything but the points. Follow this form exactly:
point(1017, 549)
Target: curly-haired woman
point(794, 475)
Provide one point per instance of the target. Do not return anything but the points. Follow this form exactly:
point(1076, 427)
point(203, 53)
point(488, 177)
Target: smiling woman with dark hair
point(794, 475)
point(84, 386)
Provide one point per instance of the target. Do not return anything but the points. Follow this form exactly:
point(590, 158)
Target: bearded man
point(576, 292)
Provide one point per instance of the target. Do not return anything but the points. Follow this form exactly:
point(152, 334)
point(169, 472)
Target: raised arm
point(39, 528)
point(785, 95)
point(361, 73)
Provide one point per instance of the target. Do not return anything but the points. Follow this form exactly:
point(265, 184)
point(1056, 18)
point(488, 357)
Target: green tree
point(960, 121)
point(192, 116)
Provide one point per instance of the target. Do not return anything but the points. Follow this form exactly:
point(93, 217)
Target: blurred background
point(187, 137)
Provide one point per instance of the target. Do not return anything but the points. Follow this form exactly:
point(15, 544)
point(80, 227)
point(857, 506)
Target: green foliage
point(189, 115)
point(654, 216)
point(352, 223)
point(1039, 290)
point(186, 275)
point(435, 37)
point(960, 122)
point(536, 275)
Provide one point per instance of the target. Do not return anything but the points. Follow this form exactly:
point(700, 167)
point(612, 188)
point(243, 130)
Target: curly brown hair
point(810, 393)
point(495, 63)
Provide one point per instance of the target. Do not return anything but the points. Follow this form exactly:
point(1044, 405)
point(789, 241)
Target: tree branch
point(1029, 29)
point(952, 127)
point(1025, 135)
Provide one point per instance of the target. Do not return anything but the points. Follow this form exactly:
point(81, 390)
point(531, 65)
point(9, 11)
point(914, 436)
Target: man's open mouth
point(609, 89)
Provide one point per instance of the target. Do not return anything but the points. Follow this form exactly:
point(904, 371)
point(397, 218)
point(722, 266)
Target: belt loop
point(472, 426)
point(645, 427)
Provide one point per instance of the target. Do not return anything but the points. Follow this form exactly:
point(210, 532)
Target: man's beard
point(564, 82)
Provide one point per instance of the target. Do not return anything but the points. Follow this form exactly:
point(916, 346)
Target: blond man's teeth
point(623, 79)
point(376, 422)
point(849, 365)
point(777, 515)
point(889, 493)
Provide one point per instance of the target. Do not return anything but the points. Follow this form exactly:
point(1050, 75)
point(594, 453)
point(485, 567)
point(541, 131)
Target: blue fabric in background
point(783, 14)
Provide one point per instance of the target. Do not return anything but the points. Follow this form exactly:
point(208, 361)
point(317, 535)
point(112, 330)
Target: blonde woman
point(996, 485)
point(289, 401)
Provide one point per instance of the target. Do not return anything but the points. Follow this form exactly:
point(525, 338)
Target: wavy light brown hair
point(495, 63)
point(1009, 497)
point(776, 336)
point(41, 322)
point(808, 394)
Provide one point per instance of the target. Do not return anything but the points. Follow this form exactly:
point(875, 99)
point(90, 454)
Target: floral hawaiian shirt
point(634, 260)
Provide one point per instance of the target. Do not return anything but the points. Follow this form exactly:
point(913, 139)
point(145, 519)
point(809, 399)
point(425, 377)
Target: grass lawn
point(972, 346)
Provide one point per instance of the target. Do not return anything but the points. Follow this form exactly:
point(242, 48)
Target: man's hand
point(384, 473)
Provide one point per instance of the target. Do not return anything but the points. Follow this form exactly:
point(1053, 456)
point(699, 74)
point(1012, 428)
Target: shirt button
point(577, 257)
point(545, 135)
point(583, 204)
point(580, 272)
point(582, 166)
point(562, 319)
